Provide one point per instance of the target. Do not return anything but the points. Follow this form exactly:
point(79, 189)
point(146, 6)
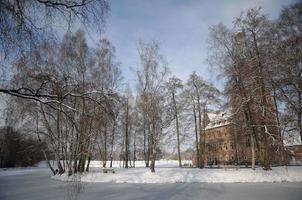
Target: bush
point(17, 150)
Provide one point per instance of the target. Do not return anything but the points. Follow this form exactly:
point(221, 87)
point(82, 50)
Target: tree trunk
point(105, 148)
point(201, 161)
point(266, 160)
point(253, 152)
point(177, 129)
point(60, 168)
point(134, 149)
point(145, 152)
point(148, 146)
point(248, 119)
point(75, 169)
point(122, 154)
point(153, 158)
point(88, 163)
point(196, 136)
point(127, 135)
point(152, 165)
point(112, 142)
point(43, 151)
point(283, 162)
point(204, 133)
point(152, 148)
point(299, 113)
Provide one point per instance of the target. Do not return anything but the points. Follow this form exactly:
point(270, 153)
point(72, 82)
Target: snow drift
point(167, 172)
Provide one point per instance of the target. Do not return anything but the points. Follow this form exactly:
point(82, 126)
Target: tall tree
point(285, 65)
point(201, 94)
point(151, 84)
point(25, 25)
point(173, 85)
point(242, 53)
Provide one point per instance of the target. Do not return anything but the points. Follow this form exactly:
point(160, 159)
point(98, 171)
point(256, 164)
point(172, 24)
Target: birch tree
point(152, 76)
point(174, 85)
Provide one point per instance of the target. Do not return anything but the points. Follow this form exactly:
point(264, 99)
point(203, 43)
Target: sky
point(180, 27)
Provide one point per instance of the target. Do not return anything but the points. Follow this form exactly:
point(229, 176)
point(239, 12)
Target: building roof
point(218, 119)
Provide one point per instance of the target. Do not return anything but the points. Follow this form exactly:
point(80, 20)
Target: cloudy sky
point(179, 26)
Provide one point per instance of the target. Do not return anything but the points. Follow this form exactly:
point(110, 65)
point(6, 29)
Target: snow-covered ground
point(21, 171)
point(168, 172)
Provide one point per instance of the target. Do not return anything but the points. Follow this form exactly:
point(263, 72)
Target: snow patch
point(167, 172)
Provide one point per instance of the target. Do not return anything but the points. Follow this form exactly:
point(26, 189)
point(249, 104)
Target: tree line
point(83, 110)
point(73, 97)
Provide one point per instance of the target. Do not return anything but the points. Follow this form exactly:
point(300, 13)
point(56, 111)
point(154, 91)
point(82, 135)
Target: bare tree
point(243, 55)
point(173, 85)
point(285, 65)
point(200, 94)
point(151, 78)
point(26, 25)
point(127, 124)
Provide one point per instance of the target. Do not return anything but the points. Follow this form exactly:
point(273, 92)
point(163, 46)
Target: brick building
point(295, 153)
point(224, 145)
point(219, 138)
point(251, 125)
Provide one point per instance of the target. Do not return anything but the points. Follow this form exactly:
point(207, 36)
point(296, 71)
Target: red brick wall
point(295, 152)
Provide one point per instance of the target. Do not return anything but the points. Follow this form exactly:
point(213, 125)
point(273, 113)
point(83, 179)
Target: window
point(232, 146)
point(226, 146)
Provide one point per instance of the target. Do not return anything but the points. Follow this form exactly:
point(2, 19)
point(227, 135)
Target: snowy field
point(168, 172)
point(22, 171)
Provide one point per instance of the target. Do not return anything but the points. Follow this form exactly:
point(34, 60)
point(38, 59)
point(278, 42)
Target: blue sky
point(179, 26)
